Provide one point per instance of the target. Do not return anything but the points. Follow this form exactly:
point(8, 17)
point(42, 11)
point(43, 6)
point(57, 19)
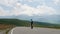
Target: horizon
point(38, 10)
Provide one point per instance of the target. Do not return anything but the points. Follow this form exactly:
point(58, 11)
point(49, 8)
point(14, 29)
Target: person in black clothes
point(31, 24)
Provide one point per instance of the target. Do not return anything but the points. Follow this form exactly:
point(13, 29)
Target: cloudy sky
point(29, 7)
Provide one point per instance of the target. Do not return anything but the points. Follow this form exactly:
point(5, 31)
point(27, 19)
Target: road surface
point(2, 32)
point(35, 30)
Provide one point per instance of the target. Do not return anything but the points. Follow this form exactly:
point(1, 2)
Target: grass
point(6, 26)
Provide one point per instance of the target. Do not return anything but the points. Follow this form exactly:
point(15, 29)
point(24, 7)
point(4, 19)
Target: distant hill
point(54, 19)
point(18, 22)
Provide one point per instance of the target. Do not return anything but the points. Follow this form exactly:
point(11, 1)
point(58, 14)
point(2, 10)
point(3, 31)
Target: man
point(31, 24)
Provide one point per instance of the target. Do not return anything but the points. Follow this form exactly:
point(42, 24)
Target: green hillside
point(47, 25)
point(15, 22)
point(18, 22)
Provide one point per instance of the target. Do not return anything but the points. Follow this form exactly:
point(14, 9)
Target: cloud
point(34, 0)
point(29, 0)
point(45, 10)
point(24, 9)
point(30, 11)
point(56, 1)
point(4, 13)
point(8, 2)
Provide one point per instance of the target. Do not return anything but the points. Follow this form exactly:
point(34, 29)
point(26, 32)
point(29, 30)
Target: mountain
point(16, 22)
point(54, 19)
point(26, 23)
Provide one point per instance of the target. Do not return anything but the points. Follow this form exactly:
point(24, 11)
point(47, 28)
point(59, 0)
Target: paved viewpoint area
point(35, 30)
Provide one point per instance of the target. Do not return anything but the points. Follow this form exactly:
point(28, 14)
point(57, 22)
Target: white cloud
point(8, 2)
point(20, 9)
point(4, 13)
point(56, 1)
point(30, 11)
point(45, 10)
point(29, 0)
point(34, 0)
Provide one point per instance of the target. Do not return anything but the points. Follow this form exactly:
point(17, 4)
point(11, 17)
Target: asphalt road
point(35, 30)
point(3, 32)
